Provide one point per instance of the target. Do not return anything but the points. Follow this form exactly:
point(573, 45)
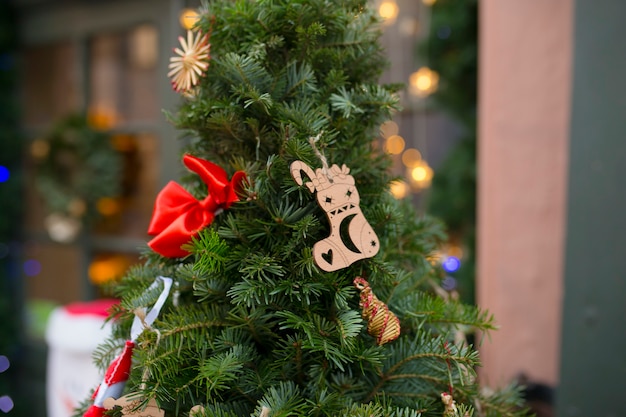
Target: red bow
point(178, 216)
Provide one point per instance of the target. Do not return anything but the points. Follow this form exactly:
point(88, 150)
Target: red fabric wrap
point(114, 381)
point(178, 216)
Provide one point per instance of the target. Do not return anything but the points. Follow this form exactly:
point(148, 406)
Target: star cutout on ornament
point(373, 243)
point(349, 193)
point(328, 199)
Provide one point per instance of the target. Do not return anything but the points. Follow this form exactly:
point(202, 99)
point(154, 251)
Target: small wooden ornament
point(381, 322)
point(130, 406)
point(351, 236)
point(195, 410)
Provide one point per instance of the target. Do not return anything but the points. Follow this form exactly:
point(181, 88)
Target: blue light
point(4, 363)
point(6, 404)
point(451, 264)
point(32, 267)
point(4, 173)
point(448, 283)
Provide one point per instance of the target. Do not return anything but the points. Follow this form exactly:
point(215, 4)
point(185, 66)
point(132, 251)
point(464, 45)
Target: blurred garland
point(451, 49)
point(78, 171)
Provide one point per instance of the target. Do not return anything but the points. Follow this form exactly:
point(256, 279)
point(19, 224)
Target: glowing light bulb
point(389, 128)
point(4, 173)
point(423, 82)
point(39, 148)
point(188, 18)
point(456, 251)
point(421, 175)
point(411, 157)
point(388, 10)
point(107, 268)
point(32, 267)
point(394, 145)
point(451, 264)
point(108, 206)
point(399, 189)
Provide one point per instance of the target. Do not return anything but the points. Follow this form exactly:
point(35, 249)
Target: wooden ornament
point(381, 322)
point(195, 410)
point(351, 236)
point(131, 406)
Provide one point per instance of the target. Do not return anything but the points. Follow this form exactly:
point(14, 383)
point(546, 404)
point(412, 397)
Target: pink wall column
point(524, 106)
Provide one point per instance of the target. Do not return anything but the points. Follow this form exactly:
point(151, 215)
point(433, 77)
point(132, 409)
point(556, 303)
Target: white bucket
point(72, 334)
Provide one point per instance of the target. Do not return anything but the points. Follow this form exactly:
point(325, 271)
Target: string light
point(389, 128)
point(4, 173)
point(421, 175)
point(39, 149)
point(455, 250)
point(388, 10)
point(411, 157)
point(451, 264)
point(107, 268)
point(188, 18)
point(399, 189)
point(32, 267)
point(108, 206)
point(394, 144)
point(102, 117)
point(423, 82)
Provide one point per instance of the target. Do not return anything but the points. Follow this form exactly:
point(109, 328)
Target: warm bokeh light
point(389, 128)
point(123, 142)
point(62, 228)
point(108, 206)
point(421, 175)
point(107, 269)
point(143, 47)
point(388, 10)
point(423, 82)
point(394, 145)
point(188, 18)
point(39, 149)
point(409, 26)
point(411, 157)
point(429, 2)
point(102, 117)
point(399, 189)
point(77, 207)
point(455, 250)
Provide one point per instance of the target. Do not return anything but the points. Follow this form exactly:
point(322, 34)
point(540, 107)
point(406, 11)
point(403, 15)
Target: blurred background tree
point(451, 50)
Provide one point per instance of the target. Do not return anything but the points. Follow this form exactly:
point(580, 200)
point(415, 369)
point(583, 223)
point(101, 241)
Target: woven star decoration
point(191, 62)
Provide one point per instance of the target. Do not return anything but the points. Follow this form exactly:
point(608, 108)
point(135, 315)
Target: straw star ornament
point(191, 62)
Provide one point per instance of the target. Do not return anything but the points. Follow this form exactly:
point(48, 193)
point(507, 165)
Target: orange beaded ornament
point(381, 322)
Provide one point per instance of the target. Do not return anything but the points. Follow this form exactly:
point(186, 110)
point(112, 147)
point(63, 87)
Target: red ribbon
point(178, 216)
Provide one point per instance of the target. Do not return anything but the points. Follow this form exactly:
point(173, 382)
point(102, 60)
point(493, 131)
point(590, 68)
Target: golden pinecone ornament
point(381, 322)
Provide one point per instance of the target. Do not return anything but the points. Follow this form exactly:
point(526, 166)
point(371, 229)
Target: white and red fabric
point(118, 371)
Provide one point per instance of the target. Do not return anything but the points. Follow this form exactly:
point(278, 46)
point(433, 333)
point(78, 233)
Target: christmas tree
point(299, 285)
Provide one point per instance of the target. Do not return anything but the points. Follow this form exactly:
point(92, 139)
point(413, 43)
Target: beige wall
point(524, 104)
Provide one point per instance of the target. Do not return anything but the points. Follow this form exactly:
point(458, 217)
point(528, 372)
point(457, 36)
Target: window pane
point(52, 272)
point(123, 77)
point(50, 83)
point(130, 214)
